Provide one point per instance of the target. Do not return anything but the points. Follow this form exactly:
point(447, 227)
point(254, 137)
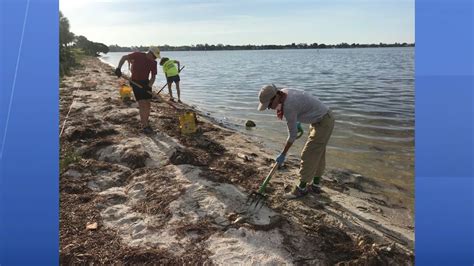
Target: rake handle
point(261, 190)
point(141, 87)
point(135, 83)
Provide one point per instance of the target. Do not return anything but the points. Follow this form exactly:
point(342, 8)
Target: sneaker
point(171, 99)
point(314, 189)
point(296, 193)
point(179, 101)
point(148, 130)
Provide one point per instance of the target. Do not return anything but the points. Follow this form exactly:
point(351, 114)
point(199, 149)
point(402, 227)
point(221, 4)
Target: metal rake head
point(256, 198)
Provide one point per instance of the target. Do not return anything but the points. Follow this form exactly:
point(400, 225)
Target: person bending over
point(144, 69)
point(172, 75)
point(297, 105)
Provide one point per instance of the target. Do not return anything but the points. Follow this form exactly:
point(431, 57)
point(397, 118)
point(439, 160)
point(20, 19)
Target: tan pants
point(313, 156)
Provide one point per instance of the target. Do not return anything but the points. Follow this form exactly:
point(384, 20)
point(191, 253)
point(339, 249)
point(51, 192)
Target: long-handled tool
point(141, 87)
point(258, 197)
point(161, 89)
point(134, 83)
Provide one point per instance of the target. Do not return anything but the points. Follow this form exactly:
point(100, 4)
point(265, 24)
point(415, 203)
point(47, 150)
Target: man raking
point(144, 65)
point(297, 105)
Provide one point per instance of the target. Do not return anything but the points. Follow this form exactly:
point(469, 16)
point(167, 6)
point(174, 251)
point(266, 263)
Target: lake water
point(371, 92)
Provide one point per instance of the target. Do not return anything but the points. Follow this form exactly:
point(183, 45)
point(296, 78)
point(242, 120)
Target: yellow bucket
point(125, 92)
point(187, 123)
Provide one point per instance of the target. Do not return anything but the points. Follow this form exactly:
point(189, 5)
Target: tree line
point(72, 47)
point(212, 47)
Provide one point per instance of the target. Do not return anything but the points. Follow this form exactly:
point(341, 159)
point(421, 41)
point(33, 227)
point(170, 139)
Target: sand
point(169, 198)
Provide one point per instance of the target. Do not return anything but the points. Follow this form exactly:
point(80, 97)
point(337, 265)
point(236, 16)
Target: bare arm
point(152, 81)
point(179, 66)
point(287, 147)
point(122, 61)
point(292, 130)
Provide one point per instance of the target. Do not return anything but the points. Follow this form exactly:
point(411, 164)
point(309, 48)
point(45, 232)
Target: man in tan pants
point(296, 105)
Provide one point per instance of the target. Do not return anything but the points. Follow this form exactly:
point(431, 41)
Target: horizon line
point(290, 44)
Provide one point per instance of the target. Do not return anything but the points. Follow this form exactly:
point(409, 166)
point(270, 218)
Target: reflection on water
point(371, 92)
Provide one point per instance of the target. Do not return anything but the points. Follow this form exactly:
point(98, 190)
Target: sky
point(238, 22)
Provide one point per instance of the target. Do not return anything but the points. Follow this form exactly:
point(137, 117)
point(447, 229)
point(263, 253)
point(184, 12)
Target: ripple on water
point(371, 92)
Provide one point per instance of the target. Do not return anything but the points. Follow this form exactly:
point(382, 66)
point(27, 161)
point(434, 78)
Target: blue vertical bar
point(444, 133)
point(29, 211)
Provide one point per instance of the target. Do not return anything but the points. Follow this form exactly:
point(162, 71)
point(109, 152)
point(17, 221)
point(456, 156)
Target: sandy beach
point(168, 198)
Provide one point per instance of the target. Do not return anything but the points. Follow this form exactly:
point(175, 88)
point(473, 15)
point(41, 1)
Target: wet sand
point(169, 198)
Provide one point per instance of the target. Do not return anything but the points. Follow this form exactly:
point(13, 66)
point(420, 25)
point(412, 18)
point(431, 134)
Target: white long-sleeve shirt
point(300, 106)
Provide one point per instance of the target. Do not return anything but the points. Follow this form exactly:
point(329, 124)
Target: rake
point(258, 197)
point(149, 92)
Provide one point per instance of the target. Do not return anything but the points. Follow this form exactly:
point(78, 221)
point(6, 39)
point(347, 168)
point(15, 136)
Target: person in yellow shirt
point(172, 75)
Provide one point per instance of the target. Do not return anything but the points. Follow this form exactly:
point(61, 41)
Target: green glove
point(300, 130)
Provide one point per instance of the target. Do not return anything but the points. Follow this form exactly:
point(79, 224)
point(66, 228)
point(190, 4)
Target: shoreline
point(230, 126)
point(170, 198)
point(354, 145)
point(265, 49)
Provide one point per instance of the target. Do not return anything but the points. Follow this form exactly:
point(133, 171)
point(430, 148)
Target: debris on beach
point(91, 226)
point(172, 198)
point(250, 123)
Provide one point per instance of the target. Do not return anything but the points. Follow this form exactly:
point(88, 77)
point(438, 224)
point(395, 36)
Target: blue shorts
point(172, 79)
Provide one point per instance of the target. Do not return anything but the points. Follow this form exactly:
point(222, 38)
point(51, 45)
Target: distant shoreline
point(221, 47)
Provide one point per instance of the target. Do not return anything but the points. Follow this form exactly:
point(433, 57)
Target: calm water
point(371, 91)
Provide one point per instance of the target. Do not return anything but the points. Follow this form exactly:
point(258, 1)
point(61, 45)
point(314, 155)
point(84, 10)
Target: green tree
point(89, 47)
point(101, 48)
point(66, 56)
point(65, 36)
